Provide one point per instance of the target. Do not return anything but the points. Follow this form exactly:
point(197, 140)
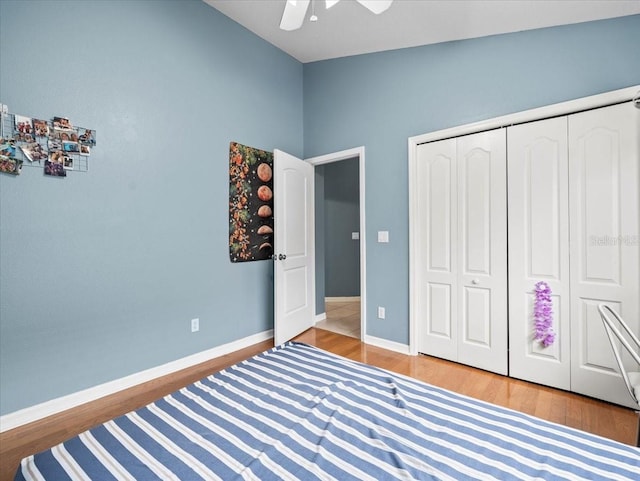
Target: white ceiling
point(350, 29)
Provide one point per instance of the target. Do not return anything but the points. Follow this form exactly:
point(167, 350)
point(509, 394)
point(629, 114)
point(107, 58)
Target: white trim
point(336, 156)
point(344, 155)
point(321, 317)
point(386, 344)
point(563, 108)
point(342, 299)
point(57, 405)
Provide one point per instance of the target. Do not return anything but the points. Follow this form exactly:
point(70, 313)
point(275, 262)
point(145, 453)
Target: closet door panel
point(604, 210)
point(538, 248)
point(475, 197)
point(482, 283)
point(599, 172)
point(437, 258)
point(476, 315)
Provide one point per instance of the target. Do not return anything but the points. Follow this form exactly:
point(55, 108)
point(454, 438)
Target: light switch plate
point(355, 235)
point(383, 236)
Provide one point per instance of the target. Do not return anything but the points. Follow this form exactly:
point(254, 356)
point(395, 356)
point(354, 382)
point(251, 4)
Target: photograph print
point(62, 123)
point(41, 128)
point(85, 150)
point(8, 163)
point(54, 165)
point(7, 149)
point(87, 137)
point(34, 152)
point(24, 129)
point(10, 166)
point(70, 147)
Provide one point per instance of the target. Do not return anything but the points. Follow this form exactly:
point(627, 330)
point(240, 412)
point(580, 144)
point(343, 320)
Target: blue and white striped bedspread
point(296, 412)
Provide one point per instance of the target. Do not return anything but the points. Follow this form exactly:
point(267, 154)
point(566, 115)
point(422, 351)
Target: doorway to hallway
point(342, 316)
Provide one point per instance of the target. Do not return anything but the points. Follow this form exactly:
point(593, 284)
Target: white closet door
point(461, 264)
point(539, 248)
point(604, 151)
point(436, 259)
point(482, 250)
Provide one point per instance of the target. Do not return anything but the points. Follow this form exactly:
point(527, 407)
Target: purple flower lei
point(543, 314)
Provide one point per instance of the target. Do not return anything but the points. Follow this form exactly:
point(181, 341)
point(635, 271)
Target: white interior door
point(539, 248)
point(436, 259)
point(462, 260)
point(482, 250)
point(604, 205)
point(294, 284)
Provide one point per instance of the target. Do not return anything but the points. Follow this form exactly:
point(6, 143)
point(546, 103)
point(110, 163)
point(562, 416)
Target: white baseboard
point(54, 406)
point(342, 299)
point(320, 317)
point(386, 344)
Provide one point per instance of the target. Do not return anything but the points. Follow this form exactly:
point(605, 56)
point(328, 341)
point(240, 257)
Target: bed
point(297, 412)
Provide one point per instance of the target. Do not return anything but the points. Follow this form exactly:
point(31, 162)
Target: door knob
point(282, 257)
point(475, 281)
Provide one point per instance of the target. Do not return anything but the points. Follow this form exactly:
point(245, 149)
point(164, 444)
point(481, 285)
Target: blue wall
point(319, 238)
point(101, 272)
point(379, 100)
point(341, 218)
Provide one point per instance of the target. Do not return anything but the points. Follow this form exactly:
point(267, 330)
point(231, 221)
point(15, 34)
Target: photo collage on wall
point(55, 145)
point(250, 203)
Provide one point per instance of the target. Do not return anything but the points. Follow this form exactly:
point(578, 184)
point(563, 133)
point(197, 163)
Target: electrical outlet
point(195, 325)
point(381, 312)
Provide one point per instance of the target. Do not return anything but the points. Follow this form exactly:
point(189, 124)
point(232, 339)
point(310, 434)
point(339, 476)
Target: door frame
point(563, 108)
point(356, 152)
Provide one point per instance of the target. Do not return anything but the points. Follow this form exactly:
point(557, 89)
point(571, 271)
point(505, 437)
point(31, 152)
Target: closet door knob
point(475, 281)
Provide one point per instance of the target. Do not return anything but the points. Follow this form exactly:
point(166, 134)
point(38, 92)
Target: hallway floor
point(343, 317)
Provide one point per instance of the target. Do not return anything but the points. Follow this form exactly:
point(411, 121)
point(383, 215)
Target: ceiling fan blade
point(376, 6)
point(293, 15)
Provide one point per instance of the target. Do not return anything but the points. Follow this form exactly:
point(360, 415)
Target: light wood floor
point(343, 317)
point(561, 407)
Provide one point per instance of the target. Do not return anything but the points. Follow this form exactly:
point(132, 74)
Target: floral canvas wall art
point(250, 203)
